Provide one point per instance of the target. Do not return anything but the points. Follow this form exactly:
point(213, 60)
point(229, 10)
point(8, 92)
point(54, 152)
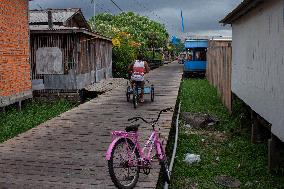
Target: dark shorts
point(139, 83)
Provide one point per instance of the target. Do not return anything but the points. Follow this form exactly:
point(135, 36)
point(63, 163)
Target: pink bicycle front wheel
point(123, 164)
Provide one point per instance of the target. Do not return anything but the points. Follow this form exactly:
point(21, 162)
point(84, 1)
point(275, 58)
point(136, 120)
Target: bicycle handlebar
point(137, 118)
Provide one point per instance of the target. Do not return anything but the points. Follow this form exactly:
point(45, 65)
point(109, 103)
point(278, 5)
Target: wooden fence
point(219, 69)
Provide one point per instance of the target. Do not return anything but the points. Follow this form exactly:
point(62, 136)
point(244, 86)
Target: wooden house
point(65, 55)
point(258, 67)
point(15, 75)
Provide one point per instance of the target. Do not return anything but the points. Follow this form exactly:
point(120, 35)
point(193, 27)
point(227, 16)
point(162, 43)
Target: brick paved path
point(68, 151)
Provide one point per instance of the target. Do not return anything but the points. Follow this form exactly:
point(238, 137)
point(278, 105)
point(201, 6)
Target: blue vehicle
point(195, 63)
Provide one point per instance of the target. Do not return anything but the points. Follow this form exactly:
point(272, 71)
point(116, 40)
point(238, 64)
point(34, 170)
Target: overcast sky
point(200, 16)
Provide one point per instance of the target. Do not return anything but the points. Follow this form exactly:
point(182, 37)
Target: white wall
point(258, 62)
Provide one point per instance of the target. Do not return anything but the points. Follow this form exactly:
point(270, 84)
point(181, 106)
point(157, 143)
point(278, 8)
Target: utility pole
point(94, 24)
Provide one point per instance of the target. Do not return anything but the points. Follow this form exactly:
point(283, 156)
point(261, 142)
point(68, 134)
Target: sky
point(201, 17)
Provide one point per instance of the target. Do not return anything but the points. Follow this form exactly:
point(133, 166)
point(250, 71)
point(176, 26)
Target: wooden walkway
point(107, 85)
point(68, 151)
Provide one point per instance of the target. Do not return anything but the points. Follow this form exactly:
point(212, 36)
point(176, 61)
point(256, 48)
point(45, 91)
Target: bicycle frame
point(131, 157)
point(153, 141)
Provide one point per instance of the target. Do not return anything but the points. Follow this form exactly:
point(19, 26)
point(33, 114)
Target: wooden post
point(260, 129)
point(82, 96)
point(255, 128)
point(94, 24)
point(275, 148)
point(19, 106)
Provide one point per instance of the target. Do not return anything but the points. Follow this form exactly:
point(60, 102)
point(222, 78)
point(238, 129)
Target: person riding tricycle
point(136, 71)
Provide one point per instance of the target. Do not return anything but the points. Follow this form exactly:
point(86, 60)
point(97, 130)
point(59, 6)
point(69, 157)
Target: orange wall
point(14, 47)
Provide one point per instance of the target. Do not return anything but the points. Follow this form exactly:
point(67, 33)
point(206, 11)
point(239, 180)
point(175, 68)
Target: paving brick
point(69, 150)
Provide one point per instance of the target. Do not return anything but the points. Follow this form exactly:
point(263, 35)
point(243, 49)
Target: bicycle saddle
point(132, 128)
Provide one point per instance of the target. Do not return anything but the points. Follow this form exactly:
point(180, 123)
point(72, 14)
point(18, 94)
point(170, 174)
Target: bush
point(130, 33)
point(123, 54)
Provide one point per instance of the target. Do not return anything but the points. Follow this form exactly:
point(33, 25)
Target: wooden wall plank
point(219, 68)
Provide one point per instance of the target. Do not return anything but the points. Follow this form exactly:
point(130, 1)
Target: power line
point(100, 6)
point(116, 5)
point(40, 7)
point(104, 8)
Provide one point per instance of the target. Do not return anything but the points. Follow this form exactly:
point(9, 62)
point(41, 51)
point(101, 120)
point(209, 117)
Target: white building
point(258, 59)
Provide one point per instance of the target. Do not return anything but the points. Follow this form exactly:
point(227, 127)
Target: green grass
point(14, 122)
point(229, 141)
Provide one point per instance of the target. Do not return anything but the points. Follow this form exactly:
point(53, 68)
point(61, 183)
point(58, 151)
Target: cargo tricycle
point(135, 90)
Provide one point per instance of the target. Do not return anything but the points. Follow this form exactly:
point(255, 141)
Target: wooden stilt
point(19, 106)
point(260, 132)
point(275, 149)
point(255, 129)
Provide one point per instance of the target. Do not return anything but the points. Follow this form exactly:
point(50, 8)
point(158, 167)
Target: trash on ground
point(192, 158)
point(228, 181)
point(188, 126)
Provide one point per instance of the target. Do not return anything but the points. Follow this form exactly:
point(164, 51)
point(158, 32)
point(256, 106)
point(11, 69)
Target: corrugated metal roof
point(58, 15)
point(64, 29)
point(242, 9)
point(55, 27)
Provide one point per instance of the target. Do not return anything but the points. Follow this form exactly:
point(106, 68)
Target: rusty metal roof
point(242, 9)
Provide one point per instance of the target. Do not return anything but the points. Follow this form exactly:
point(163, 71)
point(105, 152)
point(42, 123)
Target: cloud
point(201, 16)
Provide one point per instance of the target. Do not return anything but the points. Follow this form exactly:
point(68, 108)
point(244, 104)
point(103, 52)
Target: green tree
point(131, 33)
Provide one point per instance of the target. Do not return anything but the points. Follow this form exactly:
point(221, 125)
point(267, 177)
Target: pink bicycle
point(126, 158)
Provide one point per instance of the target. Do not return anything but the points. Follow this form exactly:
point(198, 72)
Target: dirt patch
point(198, 120)
point(228, 181)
